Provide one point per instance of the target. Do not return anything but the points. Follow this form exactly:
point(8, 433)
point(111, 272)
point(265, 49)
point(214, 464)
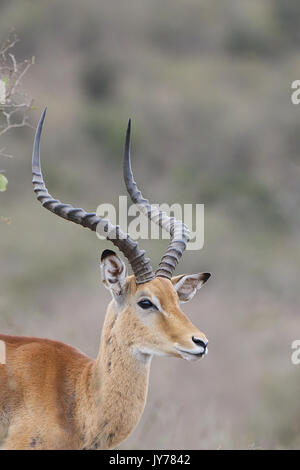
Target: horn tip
point(127, 142)
point(128, 128)
point(43, 115)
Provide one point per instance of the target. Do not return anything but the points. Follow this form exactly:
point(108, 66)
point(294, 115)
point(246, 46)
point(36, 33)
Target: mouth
point(192, 355)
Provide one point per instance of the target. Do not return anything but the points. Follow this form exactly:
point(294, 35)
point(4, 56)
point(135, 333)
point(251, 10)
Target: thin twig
point(8, 44)
point(13, 59)
point(19, 78)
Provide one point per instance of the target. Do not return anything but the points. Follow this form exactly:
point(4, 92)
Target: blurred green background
point(208, 86)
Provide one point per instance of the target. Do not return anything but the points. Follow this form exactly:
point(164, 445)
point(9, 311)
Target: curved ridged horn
point(136, 257)
point(179, 232)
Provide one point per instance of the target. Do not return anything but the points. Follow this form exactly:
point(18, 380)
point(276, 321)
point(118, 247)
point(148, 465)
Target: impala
point(52, 396)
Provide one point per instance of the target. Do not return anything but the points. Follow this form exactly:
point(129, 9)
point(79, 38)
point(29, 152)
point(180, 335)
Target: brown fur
point(54, 397)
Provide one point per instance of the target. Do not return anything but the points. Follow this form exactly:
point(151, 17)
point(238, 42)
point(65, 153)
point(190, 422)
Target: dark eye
point(146, 304)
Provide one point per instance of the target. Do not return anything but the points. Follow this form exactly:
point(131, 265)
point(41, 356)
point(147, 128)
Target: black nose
point(199, 342)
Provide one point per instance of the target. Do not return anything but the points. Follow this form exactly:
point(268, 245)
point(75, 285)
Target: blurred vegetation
point(3, 182)
point(208, 86)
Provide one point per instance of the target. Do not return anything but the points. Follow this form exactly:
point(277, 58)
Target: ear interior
point(113, 272)
point(187, 285)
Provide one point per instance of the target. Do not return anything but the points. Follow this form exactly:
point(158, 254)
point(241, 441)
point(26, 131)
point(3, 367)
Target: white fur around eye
point(156, 302)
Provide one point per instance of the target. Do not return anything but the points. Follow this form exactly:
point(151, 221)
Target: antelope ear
point(187, 285)
point(113, 272)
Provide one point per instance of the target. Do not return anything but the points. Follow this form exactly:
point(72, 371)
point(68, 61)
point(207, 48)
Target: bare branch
point(9, 43)
point(15, 104)
point(13, 59)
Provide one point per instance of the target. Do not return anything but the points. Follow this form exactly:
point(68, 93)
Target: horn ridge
point(140, 264)
point(179, 232)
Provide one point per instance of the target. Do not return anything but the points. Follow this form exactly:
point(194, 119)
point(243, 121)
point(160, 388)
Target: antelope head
point(147, 303)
